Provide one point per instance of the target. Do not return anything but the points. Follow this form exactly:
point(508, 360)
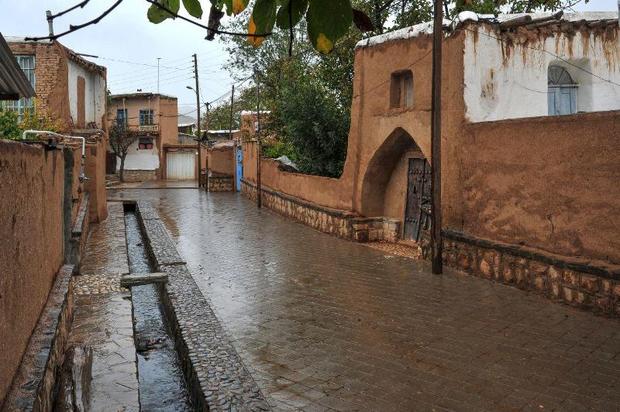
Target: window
point(27, 64)
point(146, 117)
point(121, 117)
point(561, 92)
point(401, 89)
point(145, 143)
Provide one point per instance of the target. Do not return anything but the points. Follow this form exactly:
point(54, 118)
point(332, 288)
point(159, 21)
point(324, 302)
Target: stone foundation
point(593, 286)
point(33, 387)
point(220, 183)
point(131, 176)
point(341, 223)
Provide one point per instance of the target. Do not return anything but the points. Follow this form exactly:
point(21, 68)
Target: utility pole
point(198, 122)
point(232, 111)
point(158, 59)
point(436, 241)
point(259, 195)
point(50, 22)
point(207, 158)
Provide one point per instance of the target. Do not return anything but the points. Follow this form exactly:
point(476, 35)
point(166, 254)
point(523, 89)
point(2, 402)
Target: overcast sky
point(128, 45)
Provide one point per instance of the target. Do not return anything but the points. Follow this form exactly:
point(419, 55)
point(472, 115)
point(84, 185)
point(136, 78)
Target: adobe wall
point(31, 199)
point(222, 160)
point(323, 191)
point(549, 183)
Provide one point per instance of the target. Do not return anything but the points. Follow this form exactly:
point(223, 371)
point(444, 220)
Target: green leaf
point(262, 20)
point(298, 9)
point(157, 15)
point(193, 8)
point(328, 21)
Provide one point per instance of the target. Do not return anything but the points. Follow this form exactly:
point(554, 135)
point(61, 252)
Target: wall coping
point(572, 118)
point(330, 211)
point(594, 267)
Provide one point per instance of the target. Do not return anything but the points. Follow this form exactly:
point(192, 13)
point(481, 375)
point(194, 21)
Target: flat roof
point(140, 95)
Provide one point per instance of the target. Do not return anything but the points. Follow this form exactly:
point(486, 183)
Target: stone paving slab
point(106, 251)
point(214, 368)
point(326, 324)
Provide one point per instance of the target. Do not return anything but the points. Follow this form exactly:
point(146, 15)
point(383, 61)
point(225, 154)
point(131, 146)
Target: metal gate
point(181, 165)
point(418, 202)
point(239, 166)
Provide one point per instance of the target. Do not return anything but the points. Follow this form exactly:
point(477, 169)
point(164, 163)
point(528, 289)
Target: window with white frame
point(27, 64)
point(146, 117)
point(561, 92)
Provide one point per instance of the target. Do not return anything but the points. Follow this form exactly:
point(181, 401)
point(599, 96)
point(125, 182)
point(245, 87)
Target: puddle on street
point(162, 386)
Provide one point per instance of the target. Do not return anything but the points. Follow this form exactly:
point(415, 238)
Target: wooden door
point(418, 194)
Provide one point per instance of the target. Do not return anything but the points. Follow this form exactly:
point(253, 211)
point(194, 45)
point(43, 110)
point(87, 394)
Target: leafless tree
point(121, 138)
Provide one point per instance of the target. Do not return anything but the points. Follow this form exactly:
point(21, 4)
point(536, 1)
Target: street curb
point(215, 373)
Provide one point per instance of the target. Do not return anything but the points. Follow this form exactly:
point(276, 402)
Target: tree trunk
point(122, 169)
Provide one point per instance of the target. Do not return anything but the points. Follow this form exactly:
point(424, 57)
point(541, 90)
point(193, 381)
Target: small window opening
point(562, 92)
point(401, 90)
point(145, 143)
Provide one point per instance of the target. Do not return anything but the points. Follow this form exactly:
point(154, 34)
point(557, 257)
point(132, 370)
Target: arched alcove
point(380, 169)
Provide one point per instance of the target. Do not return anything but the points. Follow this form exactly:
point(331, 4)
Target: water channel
point(162, 385)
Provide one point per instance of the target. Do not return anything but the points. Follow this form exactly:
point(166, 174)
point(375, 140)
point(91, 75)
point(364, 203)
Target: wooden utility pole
point(199, 133)
point(436, 241)
point(259, 195)
point(232, 111)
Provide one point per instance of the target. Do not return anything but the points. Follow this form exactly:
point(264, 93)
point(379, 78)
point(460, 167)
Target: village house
point(69, 88)
point(530, 151)
point(160, 152)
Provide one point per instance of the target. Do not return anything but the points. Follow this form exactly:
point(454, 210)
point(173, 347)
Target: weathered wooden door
point(418, 196)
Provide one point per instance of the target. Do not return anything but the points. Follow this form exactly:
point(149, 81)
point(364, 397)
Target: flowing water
point(162, 386)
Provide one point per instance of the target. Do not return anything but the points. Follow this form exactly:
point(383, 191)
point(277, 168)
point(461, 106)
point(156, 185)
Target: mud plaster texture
point(217, 377)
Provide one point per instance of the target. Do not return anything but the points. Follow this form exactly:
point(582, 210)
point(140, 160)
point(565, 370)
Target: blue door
point(239, 174)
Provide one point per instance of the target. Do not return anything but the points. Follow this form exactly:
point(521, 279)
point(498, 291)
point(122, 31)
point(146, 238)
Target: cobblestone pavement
point(102, 316)
point(324, 323)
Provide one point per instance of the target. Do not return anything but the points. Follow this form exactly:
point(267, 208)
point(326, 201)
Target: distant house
point(154, 117)
point(186, 124)
point(68, 87)
point(223, 135)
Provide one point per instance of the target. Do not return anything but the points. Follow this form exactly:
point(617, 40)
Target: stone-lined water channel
point(162, 385)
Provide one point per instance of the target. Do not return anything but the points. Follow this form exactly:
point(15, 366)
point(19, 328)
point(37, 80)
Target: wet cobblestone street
point(323, 323)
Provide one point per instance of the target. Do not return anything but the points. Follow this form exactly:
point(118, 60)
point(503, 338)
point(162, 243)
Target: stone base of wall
point(582, 284)
point(220, 183)
point(140, 175)
point(34, 384)
point(341, 223)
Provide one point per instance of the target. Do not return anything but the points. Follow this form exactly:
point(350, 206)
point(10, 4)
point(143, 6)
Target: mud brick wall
point(336, 222)
point(95, 184)
point(31, 226)
point(585, 284)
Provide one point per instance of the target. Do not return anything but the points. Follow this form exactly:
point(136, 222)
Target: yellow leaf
point(254, 41)
point(238, 6)
point(323, 44)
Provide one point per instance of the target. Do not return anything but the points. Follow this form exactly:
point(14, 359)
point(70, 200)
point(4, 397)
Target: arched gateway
point(396, 184)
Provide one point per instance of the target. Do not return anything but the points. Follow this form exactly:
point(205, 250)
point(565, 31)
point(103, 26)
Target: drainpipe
point(45, 132)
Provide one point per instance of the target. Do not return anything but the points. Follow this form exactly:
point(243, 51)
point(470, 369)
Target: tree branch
point(79, 5)
point(209, 29)
point(73, 28)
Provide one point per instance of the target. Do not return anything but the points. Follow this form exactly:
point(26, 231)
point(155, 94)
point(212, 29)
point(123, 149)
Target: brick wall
point(51, 74)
